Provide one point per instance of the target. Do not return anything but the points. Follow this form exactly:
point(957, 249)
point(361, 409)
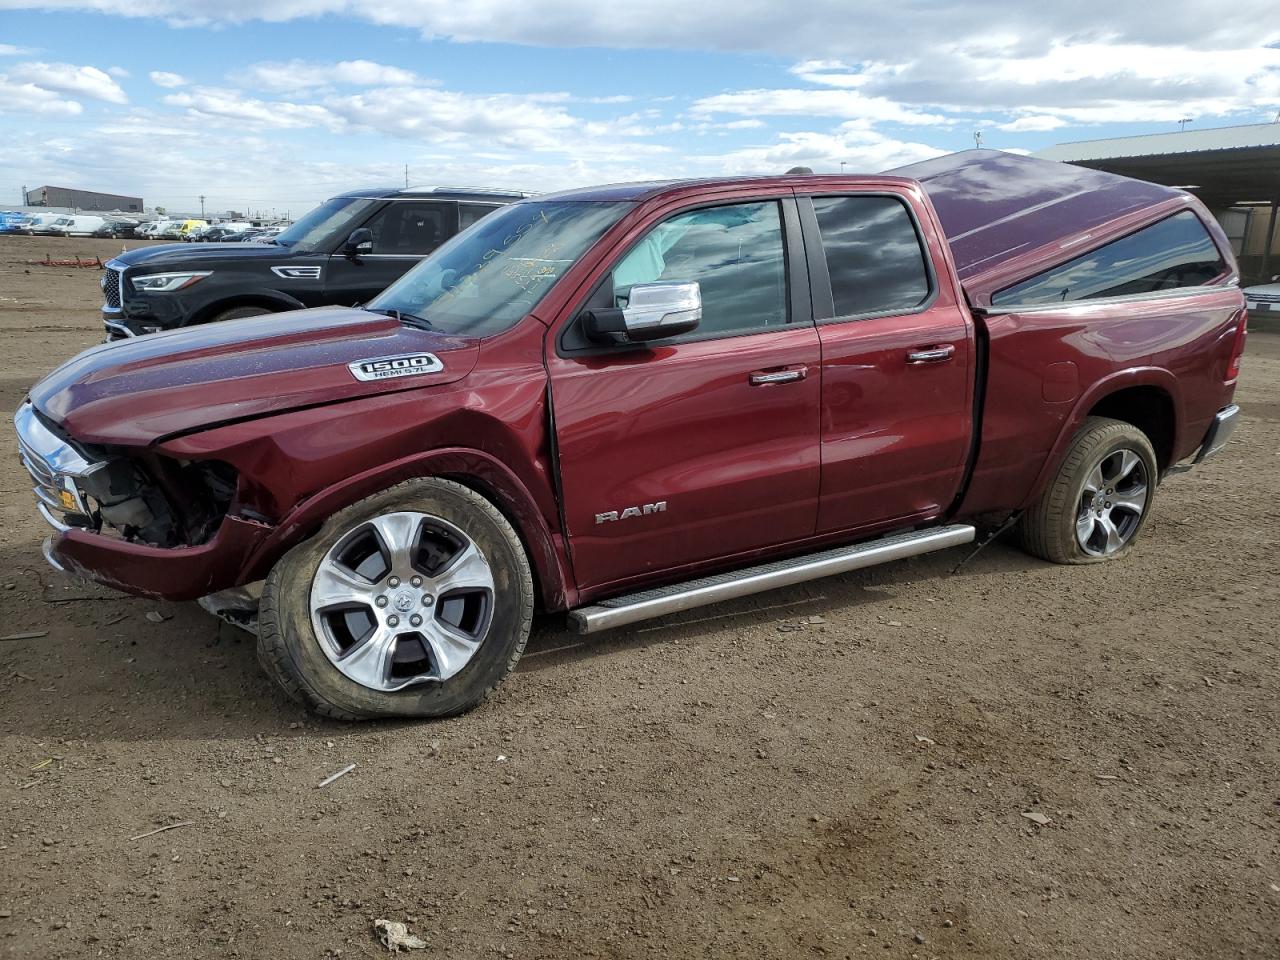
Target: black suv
point(341, 253)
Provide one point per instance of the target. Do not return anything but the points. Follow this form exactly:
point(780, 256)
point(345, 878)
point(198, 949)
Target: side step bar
point(621, 611)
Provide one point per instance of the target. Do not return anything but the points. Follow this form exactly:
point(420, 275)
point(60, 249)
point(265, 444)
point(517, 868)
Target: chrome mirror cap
point(654, 311)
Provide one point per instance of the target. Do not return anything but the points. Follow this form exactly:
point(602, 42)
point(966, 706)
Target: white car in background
point(76, 226)
point(1264, 298)
point(41, 224)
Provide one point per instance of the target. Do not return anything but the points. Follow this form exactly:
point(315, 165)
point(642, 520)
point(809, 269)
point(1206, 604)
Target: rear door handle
point(763, 378)
point(932, 354)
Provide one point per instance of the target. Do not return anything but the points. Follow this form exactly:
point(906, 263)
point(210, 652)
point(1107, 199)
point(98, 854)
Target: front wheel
point(415, 602)
point(238, 313)
point(1097, 505)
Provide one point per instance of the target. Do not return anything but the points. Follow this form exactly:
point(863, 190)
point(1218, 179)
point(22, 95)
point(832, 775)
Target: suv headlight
point(168, 282)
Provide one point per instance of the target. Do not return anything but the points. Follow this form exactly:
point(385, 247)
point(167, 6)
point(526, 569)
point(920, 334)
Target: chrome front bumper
point(55, 466)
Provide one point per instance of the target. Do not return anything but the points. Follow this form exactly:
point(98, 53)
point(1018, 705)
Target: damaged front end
point(139, 497)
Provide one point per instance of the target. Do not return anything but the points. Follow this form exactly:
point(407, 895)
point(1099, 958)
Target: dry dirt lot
point(745, 781)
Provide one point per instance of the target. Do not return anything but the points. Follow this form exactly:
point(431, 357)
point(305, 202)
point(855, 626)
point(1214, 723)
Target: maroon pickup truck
point(631, 400)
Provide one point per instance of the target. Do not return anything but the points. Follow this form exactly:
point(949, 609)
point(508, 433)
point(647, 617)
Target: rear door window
point(874, 256)
point(1175, 252)
point(410, 228)
point(469, 213)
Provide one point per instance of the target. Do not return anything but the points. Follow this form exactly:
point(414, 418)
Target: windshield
point(324, 220)
point(493, 273)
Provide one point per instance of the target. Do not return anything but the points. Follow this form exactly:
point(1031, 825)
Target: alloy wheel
point(401, 599)
point(1112, 502)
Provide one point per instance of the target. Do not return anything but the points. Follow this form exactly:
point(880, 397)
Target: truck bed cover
point(996, 207)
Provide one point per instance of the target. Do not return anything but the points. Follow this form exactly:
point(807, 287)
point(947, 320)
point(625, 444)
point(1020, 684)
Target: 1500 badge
point(388, 368)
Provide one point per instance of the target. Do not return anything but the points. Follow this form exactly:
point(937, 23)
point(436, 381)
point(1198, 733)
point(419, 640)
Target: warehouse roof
point(1222, 166)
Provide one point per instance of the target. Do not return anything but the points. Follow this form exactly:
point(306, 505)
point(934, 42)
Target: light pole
point(202, 206)
point(842, 163)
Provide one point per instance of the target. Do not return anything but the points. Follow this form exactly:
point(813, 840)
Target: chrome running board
point(621, 611)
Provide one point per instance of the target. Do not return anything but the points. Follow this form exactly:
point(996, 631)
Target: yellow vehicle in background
point(187, 228)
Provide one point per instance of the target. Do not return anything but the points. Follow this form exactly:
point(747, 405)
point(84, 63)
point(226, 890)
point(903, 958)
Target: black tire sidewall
point(289, 592)
point(238, 313)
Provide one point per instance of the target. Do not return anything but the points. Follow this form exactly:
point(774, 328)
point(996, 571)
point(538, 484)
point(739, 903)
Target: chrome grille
point(111, 287)
point(1263, 297)
point(52, 464)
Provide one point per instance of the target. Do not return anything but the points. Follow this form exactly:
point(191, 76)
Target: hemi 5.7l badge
point(388, 368)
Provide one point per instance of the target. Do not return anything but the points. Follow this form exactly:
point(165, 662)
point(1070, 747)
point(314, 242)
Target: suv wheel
point(415, 602)
point(1100, 500)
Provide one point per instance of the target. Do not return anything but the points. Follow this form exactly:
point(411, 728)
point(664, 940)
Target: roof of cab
point(647, 189)
point(479, 194)
point(995, 206)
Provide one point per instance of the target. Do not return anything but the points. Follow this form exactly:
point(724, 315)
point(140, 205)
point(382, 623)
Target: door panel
point(895, 433)
point(897, 362)
point(352, 280)
point(735, 464)
point(716, 432)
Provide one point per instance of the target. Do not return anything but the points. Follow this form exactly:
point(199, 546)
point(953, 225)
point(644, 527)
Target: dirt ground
point(741, 781)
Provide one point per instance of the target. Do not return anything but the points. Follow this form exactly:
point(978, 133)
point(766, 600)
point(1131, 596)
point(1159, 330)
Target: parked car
point(1264, 298)
point(41, 224)
point(80, 225)
point(156, 228)
point(117, 227)
point(628, 401)
point(344, 252)
point(223, 231)
point(14, 222)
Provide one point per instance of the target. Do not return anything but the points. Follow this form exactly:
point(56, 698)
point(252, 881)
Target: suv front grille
point(111, 287)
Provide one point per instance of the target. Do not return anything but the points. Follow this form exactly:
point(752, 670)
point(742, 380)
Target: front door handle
point(932, 354)
point(763, 378)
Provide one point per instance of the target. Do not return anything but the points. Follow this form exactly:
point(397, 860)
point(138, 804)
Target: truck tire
point(1097, 505)
point(238, 313)
point(414, 602)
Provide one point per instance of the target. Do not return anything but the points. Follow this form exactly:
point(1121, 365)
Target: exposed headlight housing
point(168, 282)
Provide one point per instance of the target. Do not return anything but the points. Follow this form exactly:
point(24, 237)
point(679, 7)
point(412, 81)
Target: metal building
point(82, 199)
point(1234, 170)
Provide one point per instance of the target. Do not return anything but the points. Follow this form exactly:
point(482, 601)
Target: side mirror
point(654, 311)
point(360, 241)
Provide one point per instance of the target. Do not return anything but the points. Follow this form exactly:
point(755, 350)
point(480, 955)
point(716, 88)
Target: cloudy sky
point(276, 104)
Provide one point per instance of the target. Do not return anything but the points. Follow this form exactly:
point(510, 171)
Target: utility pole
point(842, 163)
point(406, 175)
point(1182, 124)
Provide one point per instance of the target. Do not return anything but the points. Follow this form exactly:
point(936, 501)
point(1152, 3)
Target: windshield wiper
point(411, 319)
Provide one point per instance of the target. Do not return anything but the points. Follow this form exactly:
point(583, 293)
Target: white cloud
point(70, 79)
point(27, 98)
point(118, 72)
point(302, 75)
point(849, 30)
point(9, 50)
point(170, 81)
point(861, 150)
point(850, 104)
point(229, 105)
point(1035, 123)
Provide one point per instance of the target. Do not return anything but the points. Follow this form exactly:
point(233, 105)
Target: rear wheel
point(415, 602)
point(1097, 505)
point(238, 313)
